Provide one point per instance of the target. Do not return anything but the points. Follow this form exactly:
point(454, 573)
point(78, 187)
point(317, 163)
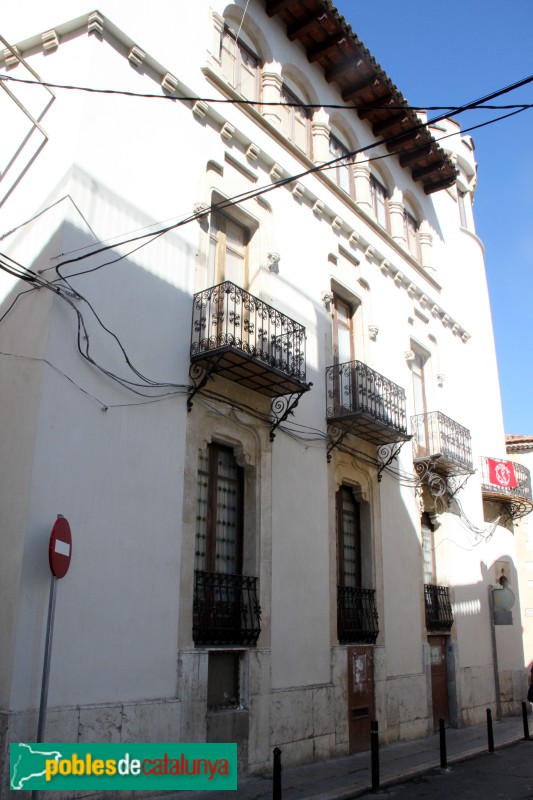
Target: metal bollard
point(490, 734)
point(442, 737)
point(524, 720)
point(374, 753)
point(276, 776)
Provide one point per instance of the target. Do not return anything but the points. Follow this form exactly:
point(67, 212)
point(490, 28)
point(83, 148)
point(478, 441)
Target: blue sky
point(450, 55)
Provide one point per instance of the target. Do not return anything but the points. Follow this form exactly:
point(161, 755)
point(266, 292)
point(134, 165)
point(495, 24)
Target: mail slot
point(357, 713)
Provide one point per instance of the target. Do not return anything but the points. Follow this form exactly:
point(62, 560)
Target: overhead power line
point(247, 102)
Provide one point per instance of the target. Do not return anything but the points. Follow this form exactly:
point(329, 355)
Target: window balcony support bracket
point(386, 455)
point(438, 485)
point(199, 377)
point(283, 406)
point(337, 436)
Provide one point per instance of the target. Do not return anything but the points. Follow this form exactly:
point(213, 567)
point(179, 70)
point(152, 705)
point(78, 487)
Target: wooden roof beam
point(276, 6)
point(380, 103)
point(384, 124)
point(422, 172)
point(443, 184)
point(351, 92)
point(325, 47)
point(339, 70)
point(418, 152)
point(303, 26)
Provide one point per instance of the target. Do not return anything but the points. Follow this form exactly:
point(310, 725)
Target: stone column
point(271, 83)
point(426, 246)
point(320, 132)
point(218, 29)
point(361, 177)
point(396, 212)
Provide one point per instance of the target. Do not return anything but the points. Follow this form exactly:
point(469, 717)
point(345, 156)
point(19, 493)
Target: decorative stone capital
point(276, 173)
point(271, 80)
point(201, 210)
point(273, 262)
point(253, 152)
point(50, 41)
point(373, 331)
point(298, 190)
point(136, 56)
point(227, 131)
point(95, 24)
point(327, 300)
point(318, 208)
point(409, 356)
point(169, 83)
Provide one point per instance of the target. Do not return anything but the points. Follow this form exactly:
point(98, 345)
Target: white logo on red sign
point(503, 474)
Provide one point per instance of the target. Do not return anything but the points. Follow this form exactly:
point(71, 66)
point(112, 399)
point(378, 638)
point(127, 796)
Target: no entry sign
point(60, 549)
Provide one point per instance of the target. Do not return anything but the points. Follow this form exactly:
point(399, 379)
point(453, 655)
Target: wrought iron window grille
point(362, 402)
point(249, 342)
point(357, 616)
point(226, 609)
point(439, 615)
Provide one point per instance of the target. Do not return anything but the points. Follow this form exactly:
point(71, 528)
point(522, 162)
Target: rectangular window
point(379, 202)
point(343, 345)
point(294, 120)
point(239, 65)
point(228, 250)
point(462, 208)
point(411, 235)
point(428, 549)
point(342, 171)
point(223, 689)
point(219, 519)
point(348, 539)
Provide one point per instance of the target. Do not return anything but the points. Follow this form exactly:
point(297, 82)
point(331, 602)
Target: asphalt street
point(506, 774)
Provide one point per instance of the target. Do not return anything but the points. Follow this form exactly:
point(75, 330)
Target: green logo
point(123, 766)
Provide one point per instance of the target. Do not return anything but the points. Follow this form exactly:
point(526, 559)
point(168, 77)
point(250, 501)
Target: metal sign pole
point(495, 656)
point(46, 667)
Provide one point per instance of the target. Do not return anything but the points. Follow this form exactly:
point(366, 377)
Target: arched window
point(295, 120)
point(342, 171)
point(240, 65)
point(379, 202)
point(411, 232)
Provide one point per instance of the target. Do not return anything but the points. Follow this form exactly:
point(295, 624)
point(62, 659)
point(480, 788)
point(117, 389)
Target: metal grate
point(356, 393)
point(437, 436)
point(226, 609)
point(256, 345)
point(357, 617)
point(523, 479)
point(439, 616)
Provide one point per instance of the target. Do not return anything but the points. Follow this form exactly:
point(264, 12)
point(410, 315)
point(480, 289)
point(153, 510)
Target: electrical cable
point(243, 101)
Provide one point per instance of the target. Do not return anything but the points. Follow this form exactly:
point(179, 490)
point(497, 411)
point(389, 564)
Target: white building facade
point(252, 362)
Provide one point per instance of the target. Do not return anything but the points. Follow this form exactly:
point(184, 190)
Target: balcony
point(247, 341)
point(439, 616)
point(357, 617)
point(494, 480)
point(444, 442)
point(226, 609)
point(365, 403)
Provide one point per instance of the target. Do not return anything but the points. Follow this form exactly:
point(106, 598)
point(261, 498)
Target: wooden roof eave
point(329, 41)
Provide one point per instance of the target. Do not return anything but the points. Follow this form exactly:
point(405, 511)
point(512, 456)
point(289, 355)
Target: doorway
point(360, 697)
point(439, 679)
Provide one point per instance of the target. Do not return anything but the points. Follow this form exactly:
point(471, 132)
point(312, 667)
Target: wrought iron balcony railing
point(520, 492)
point(248, 341)
point(444, 441)
point(226, 609)
point(367, 402)
point(357, 617)
point(439, 616)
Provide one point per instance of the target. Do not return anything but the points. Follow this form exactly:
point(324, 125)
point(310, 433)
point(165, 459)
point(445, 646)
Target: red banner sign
point(501, 473)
